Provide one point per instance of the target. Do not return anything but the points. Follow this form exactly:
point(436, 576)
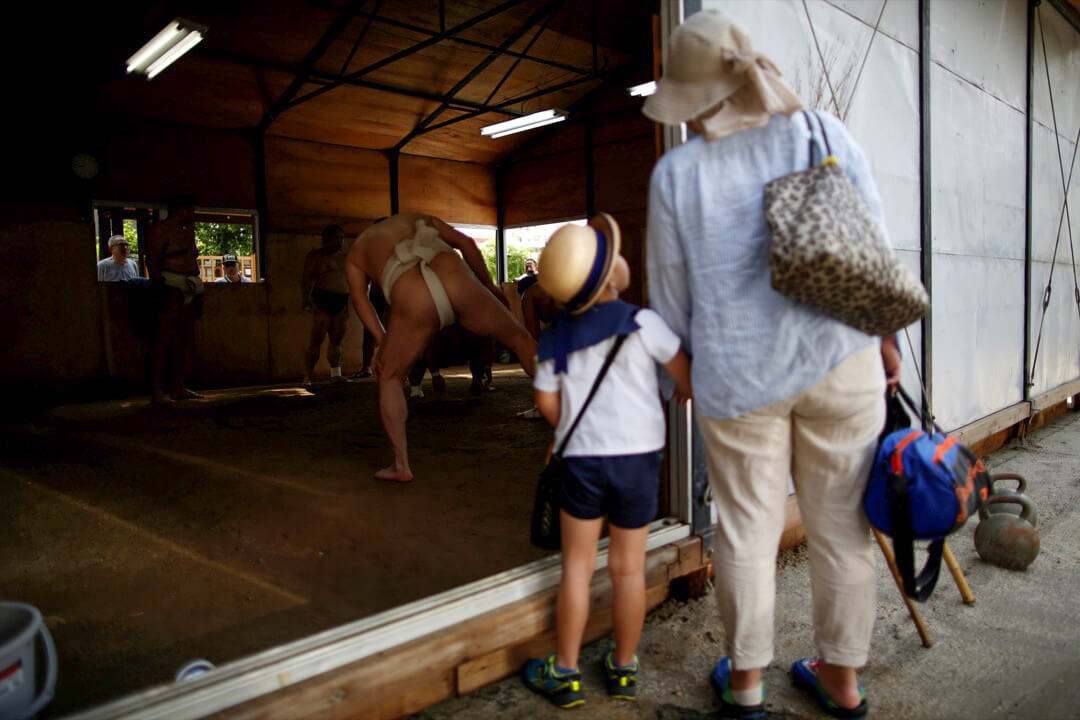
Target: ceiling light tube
point(173, 54)
point(642, 90)
point(542, 123)
point(176, 38)
point(525, 122)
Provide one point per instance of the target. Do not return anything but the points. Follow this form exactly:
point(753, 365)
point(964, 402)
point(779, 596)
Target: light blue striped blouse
point(708, 265)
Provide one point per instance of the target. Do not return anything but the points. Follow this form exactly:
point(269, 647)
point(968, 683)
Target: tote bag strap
point(810, 143)
point(619, 340)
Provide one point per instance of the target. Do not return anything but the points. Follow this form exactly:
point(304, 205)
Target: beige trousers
point(824, 438)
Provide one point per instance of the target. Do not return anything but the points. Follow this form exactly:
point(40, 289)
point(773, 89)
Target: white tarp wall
point(859, 59)
point(1058, 360)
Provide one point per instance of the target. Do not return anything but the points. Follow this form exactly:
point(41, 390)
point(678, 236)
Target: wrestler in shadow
point(428, 286)
point(325, 294)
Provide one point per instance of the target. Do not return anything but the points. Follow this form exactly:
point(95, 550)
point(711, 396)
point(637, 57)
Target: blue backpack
point(922, 487)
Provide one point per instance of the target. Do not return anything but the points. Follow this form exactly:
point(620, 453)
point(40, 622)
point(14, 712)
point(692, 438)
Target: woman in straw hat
point(781, 390)
point(612, 456)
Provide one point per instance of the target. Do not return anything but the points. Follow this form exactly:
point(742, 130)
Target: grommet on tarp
point(194, 669)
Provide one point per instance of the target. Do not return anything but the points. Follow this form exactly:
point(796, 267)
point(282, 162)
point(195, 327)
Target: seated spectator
point(232, 270)
point(118, 267)
point(527, 280)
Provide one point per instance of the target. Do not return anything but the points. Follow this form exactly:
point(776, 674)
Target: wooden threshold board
point(459, 659)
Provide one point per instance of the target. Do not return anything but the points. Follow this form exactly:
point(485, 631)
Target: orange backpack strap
point(898, 453)
point(944, 448)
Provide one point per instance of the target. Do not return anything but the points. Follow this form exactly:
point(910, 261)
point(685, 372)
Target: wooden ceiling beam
point(318, 77)
point(524, 55)
point(359, 39)
point(434, 39)
point(544, 13)
point(532, 96)
point(308, 64)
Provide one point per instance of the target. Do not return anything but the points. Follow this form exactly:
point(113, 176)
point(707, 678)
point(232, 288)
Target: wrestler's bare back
point(373, 247)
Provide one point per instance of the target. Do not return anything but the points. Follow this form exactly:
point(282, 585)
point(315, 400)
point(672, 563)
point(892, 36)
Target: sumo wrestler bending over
point(428, 286)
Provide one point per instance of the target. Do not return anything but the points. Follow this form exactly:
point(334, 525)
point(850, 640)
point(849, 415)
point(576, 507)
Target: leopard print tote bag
point(828, 251)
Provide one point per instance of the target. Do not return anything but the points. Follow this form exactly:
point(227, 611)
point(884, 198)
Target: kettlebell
point(1014, 508)
point(1005, 539)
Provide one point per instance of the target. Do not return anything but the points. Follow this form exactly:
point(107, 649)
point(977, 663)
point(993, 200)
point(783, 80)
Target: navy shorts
point(622, 487)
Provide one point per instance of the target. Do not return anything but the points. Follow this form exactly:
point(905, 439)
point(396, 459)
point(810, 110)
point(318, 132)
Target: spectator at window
point(118, 267)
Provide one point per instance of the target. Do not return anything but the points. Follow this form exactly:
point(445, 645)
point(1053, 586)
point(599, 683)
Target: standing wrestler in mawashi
point(325, 294)
point(428, 286)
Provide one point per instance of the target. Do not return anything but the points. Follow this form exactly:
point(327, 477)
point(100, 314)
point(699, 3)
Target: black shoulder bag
point(545, 531)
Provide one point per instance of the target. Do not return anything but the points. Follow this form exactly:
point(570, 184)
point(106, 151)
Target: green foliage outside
point(131, 234)
point(515, 260)
point(221, 238)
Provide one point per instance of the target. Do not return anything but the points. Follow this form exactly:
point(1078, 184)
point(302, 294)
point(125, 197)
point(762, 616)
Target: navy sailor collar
point(571, 333)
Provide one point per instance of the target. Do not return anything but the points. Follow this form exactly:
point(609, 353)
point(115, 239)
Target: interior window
point(526, 242)
point(225, 232)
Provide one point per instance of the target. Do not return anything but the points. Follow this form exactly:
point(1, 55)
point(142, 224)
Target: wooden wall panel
point(49, 303)
point(546, 189)
point(305, 178)
point(151, 163)
point(622, 172)
point(456, 192)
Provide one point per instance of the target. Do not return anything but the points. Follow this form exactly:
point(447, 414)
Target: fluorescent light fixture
point(525, 122)
point(166, 47)
point(642, 90)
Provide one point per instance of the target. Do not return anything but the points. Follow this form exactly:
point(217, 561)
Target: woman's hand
point(890, 359)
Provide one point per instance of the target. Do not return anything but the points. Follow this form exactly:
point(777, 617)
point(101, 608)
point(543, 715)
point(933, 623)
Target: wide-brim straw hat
point(710, 58)
point(577, 262)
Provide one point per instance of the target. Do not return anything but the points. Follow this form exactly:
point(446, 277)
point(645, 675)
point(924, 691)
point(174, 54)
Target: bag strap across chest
point(619, 340)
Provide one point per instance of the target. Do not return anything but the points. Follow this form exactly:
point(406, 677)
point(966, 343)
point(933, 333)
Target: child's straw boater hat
point(577, 262)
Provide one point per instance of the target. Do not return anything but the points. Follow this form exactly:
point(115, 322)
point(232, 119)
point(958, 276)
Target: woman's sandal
point(804, 674)
point(721, 674)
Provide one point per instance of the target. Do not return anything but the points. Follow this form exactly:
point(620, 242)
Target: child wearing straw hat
point(613, 455)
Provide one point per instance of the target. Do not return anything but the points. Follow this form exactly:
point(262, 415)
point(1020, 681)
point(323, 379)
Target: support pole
point(590, 164)
point(500, 223)
point(1028, 198)
point(392, 157)
point(926, 216)
point(261, 202)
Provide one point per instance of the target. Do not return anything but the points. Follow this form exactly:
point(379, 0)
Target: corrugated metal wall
point(860, 60)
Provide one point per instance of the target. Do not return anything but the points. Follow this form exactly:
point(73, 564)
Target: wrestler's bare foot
point(161, 400)
point(395, 474)
point(185, 394)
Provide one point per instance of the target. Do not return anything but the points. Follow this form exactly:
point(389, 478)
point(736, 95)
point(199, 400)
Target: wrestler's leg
point(413, 322)
point(416, 377)
point(320, 325)
point(183, 347)
point(479, 312)
point(337, 335)
point(431, 359)
point(167, 303)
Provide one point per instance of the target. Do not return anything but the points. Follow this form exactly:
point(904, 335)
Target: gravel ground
point(1014, 654)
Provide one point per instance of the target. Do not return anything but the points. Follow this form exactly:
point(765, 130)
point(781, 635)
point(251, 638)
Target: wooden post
point(914, 611)
point(958, 576)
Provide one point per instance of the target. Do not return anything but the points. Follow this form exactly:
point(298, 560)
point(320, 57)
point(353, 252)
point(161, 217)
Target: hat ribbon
point(594, 274)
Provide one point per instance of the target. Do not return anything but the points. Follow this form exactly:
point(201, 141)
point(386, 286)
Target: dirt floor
point(1015, 653)
point(222, 527)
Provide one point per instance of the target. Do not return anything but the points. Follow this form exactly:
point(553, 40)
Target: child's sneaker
point(721, 675)
point(621, 681)
point(563, 690)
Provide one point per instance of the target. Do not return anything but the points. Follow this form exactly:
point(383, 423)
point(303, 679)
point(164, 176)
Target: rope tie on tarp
point(1064, 217)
